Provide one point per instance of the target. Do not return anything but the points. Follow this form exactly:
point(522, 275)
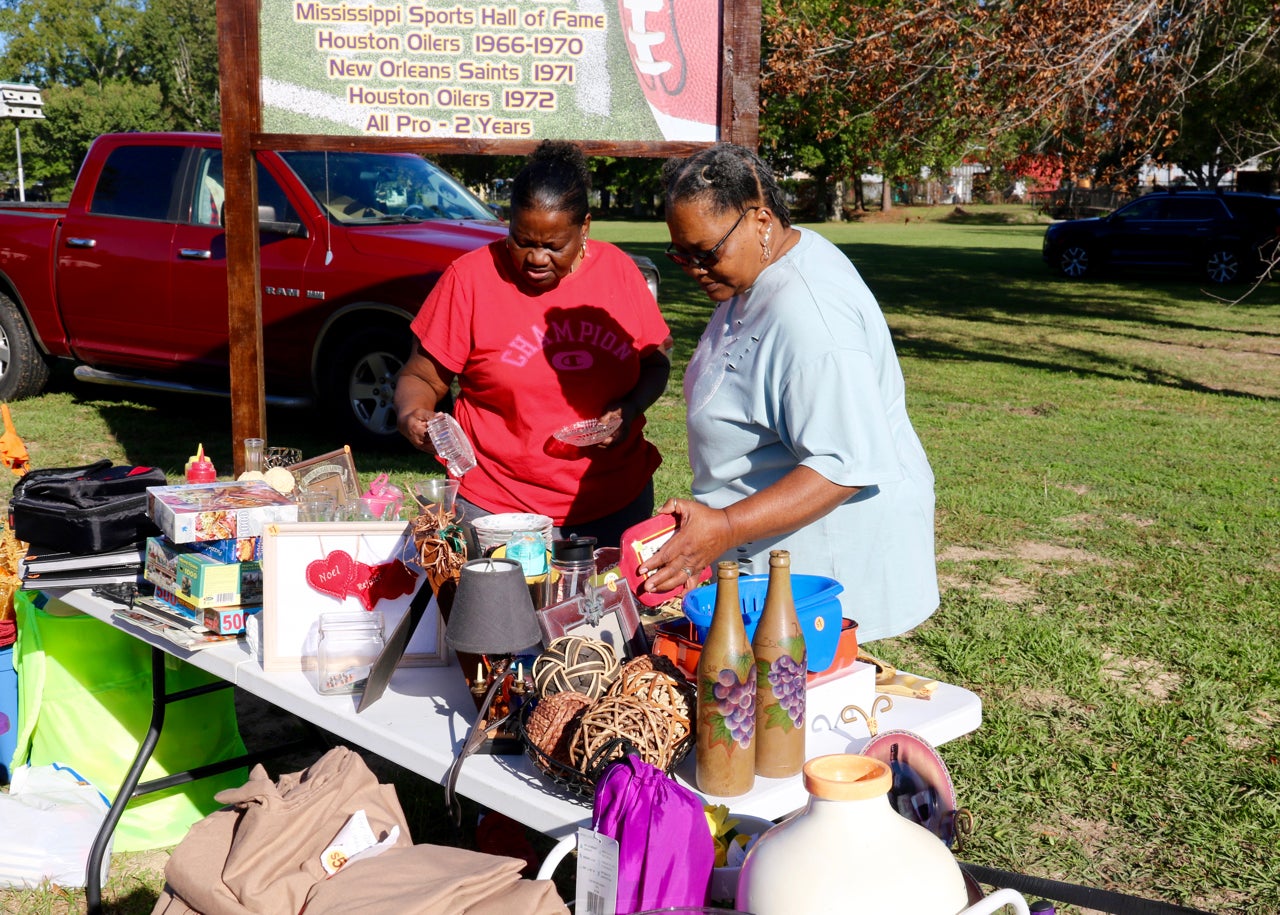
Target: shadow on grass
point(1000, 290)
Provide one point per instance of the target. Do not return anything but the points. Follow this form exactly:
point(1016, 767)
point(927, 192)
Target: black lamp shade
point(492, 612)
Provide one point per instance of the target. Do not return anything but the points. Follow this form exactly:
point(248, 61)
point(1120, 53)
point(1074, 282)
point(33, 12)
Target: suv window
point(1195, 208)
point(138, 181)
point(1151, 207)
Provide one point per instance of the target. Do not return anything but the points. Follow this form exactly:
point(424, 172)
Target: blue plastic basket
point(8, 712)
point(817, 602)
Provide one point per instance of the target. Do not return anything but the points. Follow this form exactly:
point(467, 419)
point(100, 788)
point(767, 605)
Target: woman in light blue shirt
point(797, 420)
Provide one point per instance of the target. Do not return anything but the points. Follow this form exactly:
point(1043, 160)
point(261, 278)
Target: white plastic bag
point(48, 822)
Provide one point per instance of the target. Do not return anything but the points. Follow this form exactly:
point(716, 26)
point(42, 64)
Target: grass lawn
point(1108, 508)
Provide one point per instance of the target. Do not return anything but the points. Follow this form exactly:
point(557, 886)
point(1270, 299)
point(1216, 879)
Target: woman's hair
point(554, 178)
point(727, 176)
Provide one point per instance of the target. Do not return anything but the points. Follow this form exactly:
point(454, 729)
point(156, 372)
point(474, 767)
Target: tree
point(178, 39)
point(1084, 79)
point(53, 148)
point(1230, 116)
point(71, 42)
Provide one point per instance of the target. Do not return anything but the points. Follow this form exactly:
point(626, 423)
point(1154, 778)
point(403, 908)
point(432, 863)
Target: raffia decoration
point(659, 683)
point(439, 542)
point(11, 552)
point(553, 723)
point(645, 727)
point(574, 664)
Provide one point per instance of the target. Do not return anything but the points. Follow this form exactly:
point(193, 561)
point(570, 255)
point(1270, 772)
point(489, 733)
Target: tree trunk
point(836, 202)
point(886, 194)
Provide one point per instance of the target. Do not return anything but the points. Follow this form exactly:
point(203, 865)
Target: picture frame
point(334, 473)
point(311, 568)
point(607, 613)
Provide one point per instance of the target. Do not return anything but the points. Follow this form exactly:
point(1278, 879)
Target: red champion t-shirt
point(530, 364)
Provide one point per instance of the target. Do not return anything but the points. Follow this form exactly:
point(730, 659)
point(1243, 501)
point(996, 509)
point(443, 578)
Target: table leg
point(130, 787)
point(93, 873)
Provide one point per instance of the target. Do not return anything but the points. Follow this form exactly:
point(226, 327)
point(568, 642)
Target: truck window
point(273, 203)
point(210, 197)
point(210, 194)
point(138, 181)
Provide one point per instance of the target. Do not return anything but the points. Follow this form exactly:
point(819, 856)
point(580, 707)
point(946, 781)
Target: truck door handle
point(198, 254)
point(81, 242)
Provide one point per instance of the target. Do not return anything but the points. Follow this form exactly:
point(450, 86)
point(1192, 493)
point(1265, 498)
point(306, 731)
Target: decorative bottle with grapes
point(781, 676)
point(726, 758)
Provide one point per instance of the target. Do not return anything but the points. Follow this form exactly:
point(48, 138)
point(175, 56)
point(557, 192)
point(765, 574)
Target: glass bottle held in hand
point(781, 676)
point(726, 696)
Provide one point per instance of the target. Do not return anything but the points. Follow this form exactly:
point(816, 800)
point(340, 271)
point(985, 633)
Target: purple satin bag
point(665, 850)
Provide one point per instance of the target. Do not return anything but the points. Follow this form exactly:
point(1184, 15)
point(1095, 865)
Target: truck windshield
point(360, 187)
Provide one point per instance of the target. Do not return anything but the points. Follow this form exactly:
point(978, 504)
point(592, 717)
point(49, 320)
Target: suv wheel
point(1073, 263)
point(1223, 266)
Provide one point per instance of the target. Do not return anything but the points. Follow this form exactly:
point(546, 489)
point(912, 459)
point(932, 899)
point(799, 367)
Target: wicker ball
point(613, 719)
point(552, 723)
point(658, 682)
point(572, 663)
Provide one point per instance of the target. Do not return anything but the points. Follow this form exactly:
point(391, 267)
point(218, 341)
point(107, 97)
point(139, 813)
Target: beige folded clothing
point(261, 855)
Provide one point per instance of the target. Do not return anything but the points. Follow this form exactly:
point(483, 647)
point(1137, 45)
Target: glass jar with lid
point(350, 641)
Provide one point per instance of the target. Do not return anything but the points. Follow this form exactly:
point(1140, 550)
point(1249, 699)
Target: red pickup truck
point(129, 278)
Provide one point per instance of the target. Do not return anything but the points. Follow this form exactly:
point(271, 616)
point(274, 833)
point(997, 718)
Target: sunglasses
point(704, 260)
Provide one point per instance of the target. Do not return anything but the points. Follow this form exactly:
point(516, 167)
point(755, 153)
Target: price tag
point(597, 874)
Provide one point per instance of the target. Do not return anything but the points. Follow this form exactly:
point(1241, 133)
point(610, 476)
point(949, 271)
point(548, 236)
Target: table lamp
point(492, 617)
point(492, 611)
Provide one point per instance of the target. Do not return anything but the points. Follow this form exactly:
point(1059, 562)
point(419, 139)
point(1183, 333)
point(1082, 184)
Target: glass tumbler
point(253, 454)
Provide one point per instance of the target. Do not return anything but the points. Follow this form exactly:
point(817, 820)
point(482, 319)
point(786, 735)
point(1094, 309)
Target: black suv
point(1223, 236)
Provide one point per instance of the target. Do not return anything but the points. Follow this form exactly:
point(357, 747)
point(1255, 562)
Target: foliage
point(179, 41)
point(104, 66)
point(1230, 115)
point(53, 148)
point(1088, 80)
point(70, 42)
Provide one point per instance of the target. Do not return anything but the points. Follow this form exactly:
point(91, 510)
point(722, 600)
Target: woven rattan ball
point(552, 723)
point(658, 682)
point(572, 663)
point(614, 719)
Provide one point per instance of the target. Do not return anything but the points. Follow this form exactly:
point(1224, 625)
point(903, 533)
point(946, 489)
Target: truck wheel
point(360, 383)
point(23, 370)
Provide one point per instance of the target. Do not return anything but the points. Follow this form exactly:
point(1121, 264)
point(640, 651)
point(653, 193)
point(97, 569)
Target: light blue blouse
point(800, 369)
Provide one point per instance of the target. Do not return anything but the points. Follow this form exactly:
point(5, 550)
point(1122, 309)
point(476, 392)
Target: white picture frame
point(292, 603)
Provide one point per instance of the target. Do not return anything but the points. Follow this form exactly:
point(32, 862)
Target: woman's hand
point(420, 386)
point(655, 368)
point(702, 536)
point(413, 426)
point(624, 413)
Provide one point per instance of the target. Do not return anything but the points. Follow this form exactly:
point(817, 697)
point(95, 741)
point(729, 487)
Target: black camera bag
point(88, 509)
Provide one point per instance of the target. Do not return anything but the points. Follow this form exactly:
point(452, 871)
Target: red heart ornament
point(332, 575)
point(388, 581)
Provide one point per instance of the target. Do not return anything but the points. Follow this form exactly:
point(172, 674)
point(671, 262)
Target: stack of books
point(42, 568)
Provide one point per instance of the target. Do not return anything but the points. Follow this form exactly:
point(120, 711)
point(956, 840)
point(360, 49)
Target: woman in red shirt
point(541, 330)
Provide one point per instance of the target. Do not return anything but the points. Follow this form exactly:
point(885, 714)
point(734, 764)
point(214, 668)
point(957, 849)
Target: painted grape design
point(787, 679)
point(736, 703)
